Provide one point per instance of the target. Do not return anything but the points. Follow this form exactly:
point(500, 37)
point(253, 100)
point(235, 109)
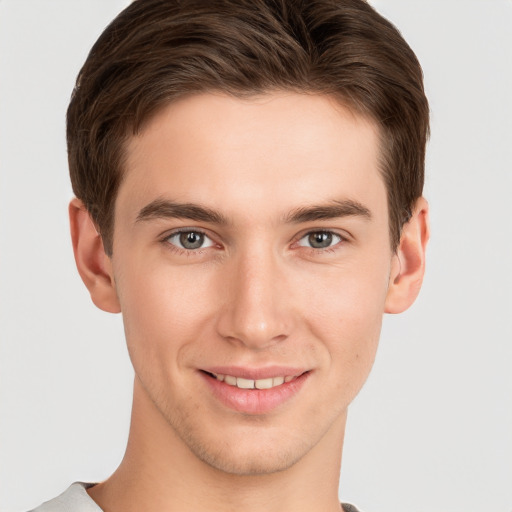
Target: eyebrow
point(332, 210)
point(165, 209)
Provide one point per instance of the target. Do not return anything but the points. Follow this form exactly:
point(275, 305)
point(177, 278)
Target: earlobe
point(408, 266)
point(94, 266)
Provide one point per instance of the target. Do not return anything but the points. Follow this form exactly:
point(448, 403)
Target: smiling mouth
point(242, 383)
point(255, 391)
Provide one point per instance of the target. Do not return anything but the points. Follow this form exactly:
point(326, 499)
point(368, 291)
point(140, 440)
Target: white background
point(431, 431)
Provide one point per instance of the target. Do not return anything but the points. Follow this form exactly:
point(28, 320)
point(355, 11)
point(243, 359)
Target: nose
point(257, 307)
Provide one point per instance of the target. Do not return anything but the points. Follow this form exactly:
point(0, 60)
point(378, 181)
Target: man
point(248, 180)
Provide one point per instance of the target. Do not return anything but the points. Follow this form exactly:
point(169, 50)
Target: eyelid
point(184, 229)
point(307, 235)
point(344, 237)
point(338, 232)
point(164, 238)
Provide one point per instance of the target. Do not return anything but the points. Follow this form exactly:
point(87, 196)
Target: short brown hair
point(156, 51)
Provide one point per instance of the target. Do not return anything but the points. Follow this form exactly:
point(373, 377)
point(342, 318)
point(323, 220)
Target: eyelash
point(199, 251)
point(322, 250)
point(187, 252)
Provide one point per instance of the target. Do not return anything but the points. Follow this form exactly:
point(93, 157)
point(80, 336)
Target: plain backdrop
point(432, 429)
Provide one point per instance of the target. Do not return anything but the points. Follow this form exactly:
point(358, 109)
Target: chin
point(253, 450)
point(252, 462)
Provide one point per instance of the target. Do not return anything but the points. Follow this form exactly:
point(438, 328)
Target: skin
point(254, 295)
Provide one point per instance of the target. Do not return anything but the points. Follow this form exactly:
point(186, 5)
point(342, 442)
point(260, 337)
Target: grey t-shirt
point(76, 499)
point(73, 499)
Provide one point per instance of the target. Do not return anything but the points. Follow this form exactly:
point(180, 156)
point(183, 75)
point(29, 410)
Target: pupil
point(320, 240)
point(191, 240)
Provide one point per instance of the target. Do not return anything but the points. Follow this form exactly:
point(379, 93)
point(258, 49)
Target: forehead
point(284, 149)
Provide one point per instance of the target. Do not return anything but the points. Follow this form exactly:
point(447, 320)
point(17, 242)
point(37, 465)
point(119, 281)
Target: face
point(251, 259)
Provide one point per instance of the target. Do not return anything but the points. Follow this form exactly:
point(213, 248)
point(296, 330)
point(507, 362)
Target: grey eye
point(190, 240)
point(320, 239)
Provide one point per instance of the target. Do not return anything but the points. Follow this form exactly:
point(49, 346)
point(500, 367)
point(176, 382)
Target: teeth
point(242, 383)
point(264, 383)
point(277, 381)
point(228, 379)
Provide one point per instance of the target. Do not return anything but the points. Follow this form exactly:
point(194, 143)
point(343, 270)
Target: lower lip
point(254, 401)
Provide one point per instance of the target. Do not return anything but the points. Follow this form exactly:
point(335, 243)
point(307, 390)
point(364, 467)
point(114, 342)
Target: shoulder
point(347, 507)
point(76, 499)
point(73, 499)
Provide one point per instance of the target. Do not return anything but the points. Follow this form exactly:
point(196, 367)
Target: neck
point(159, 472)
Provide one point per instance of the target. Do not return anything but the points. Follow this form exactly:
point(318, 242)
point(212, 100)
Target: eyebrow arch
point(335, 209)
point(165, 209)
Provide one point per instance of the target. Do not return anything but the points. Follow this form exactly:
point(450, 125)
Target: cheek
point(349, 299)
point(346, 314)
point(163, 310)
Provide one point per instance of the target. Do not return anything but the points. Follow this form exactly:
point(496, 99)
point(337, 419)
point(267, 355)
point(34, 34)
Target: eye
point(320, 239)
point(190, 240)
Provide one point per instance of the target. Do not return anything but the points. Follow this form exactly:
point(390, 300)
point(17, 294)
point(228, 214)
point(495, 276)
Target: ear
point(408, 265)
point(93, 264)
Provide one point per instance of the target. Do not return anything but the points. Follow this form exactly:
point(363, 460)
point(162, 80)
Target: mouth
point(243, 383)
point(255, 392)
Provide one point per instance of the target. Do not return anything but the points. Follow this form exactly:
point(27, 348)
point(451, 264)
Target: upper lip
point(255, 373)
